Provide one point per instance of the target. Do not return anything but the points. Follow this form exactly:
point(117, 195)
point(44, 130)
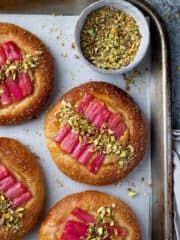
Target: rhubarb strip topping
point(15, 65)
point(10, 187)
point(88, 227)
point(90, 132)
point(13, 196)
point(83, 215)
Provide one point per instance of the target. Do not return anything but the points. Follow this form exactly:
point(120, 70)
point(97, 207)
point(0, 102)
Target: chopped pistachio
point(106, 215)
point(110, 38)
point(11, 69)
point(132, 193)
point(99, 219)
point(96, 232)
point(10, 218)
point(123, 154)
point(100, 229)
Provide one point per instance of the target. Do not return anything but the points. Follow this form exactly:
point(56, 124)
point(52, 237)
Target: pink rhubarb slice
point(16, 92)
point(3, 172)
point(5, 97)
point(2, 56)
point(62, 134)
point(113, 121)
point(84, 103)
point(69, 236)
point(12, 51)
point(24, 198)
point(86, 155)
point(96, 163)
point(93, 110)
point(120, 129)
point(15, 191)
point(25, 84)
point(101, 118)
point(83, 215)
point(69, 142)
point(120, 231)
point(7, 183)
point(74, 230)
point(79, 149)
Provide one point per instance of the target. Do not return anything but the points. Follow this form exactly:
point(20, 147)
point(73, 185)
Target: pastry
point(96, 133)
point(21, 190)
point(90, 215)
point(26, 74)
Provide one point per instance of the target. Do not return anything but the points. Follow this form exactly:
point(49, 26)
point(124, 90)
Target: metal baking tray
point(161, 158)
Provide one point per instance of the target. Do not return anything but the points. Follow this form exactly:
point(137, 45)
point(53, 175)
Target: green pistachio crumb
point(10, 218)
point(132, 193)
point(110, 38)
point(11, 69)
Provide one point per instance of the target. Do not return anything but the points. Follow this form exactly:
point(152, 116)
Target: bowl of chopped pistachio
point(112, 36)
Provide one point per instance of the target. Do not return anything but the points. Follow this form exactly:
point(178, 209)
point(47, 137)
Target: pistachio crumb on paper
point(130, 79)
point(132, 193)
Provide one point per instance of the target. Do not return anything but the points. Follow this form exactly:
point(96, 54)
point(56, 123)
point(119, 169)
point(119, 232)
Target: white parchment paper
point(57, 33)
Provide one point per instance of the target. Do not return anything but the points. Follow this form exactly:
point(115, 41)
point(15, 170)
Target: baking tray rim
point(167, 114)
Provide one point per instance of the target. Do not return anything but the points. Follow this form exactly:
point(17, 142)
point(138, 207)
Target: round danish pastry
point(21, 190)
point(26, 74)
point(90, 215)
point(96, 133)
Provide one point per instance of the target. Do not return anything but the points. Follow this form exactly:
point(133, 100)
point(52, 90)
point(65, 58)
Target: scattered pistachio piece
point(132, 193)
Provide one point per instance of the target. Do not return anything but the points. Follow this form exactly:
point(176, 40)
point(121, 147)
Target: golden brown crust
point(29, 107)
point(52, 226)
point(23, 165)
point(120, 101)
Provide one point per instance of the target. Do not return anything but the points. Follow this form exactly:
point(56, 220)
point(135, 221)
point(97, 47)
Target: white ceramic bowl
point(130, 10)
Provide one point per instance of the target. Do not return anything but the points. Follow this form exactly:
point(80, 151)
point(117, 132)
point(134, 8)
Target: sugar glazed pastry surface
point(96, 133)
point(90, 215)
point(21, 190)
point(26, 74)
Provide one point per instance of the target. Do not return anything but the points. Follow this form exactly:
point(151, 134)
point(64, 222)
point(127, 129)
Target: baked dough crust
point(123, 104)
point(29, 107)
point(23, 165)
point(89, 201)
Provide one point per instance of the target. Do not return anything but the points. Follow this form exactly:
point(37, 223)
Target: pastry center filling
point(102, 226)
point(89, 132)
point(16, 68)
point(13, 196)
